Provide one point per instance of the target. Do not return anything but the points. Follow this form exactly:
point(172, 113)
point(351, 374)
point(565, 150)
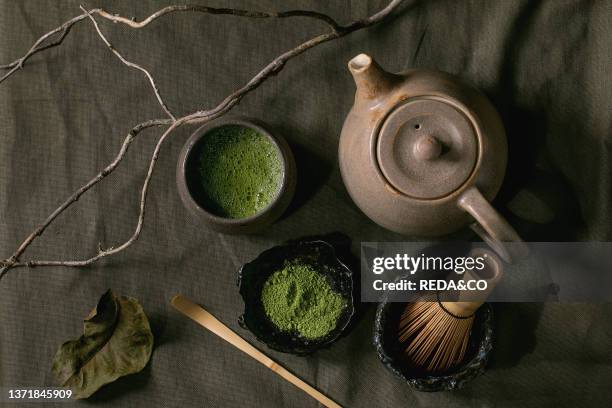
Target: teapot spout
point(371, 80)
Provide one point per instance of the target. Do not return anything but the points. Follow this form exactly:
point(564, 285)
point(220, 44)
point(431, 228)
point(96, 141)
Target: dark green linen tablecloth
point(545, 64)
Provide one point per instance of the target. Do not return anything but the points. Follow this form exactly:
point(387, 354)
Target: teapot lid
point(427, 147)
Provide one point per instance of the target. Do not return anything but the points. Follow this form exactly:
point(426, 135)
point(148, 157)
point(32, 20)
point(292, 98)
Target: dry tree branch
point(213, 10)
point(201, 116)
point(38, 46)
point(64, 29)
point(12, 261)
point(131, 65)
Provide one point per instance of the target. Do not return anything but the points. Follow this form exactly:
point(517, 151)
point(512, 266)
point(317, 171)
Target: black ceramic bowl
point(193, 196)
point(254, 274)
point(390, 352)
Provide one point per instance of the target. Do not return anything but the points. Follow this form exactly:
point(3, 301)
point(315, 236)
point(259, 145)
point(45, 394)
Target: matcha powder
point(298, 298)
point(241, 171)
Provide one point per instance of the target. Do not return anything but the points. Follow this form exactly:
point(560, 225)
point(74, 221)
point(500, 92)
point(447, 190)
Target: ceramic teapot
point(422, 154)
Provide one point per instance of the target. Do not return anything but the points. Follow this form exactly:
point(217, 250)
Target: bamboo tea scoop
point(201, 316)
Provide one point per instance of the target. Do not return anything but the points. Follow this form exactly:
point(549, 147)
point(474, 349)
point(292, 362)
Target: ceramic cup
point(191, 190)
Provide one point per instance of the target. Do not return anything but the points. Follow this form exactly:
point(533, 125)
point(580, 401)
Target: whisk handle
point(470, 300)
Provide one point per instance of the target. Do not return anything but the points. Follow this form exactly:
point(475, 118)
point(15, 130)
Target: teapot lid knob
point(427, 147)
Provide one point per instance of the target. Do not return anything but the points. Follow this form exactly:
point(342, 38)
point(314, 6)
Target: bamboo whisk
point(436, 333)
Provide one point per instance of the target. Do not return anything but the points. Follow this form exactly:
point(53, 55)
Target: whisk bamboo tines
point(436, 333)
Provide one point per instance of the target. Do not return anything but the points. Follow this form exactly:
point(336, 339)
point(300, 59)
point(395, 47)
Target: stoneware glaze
point(187, 179)
point(422, 154)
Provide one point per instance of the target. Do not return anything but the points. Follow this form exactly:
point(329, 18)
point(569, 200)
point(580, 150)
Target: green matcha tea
point(299, 299)
point(241, 171)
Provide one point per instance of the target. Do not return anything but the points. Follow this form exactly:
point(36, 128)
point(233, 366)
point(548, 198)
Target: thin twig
point(131, 65)
point(64, 29)
point(213, 10)
point(74, 197)
point(201, 116)
point(38, 46)
point(63, 33)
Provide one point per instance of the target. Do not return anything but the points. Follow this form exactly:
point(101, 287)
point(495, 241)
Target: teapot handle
point(492, 227)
